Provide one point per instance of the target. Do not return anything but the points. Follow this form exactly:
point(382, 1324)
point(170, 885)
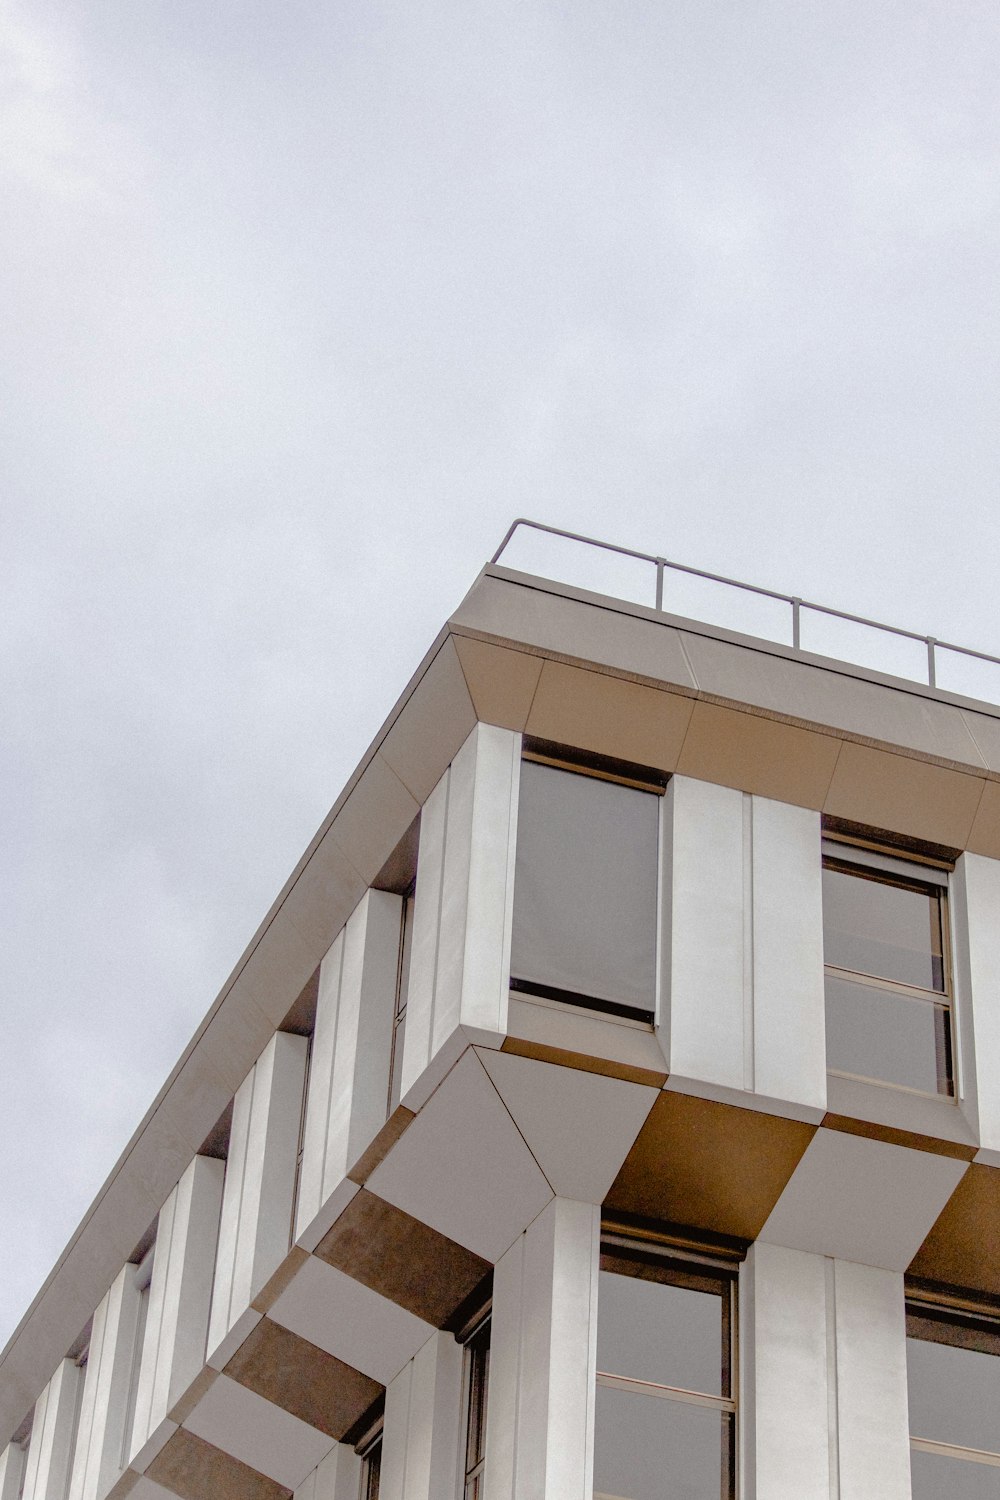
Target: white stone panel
point(873, 1440)
point(540, 1427)
point(862, 1200)
point(423, 1419)
point(460, 964)
point(338, 1477)
point(53, 1428)
point(11, 1471)
point(257, 1432)
point(789, 1019)
point(463, 1167)
point(349, 1070)
point(98, 1459)
point(578, 1126)
point(975, 902)
point(784, 1416)
point(255, 1228)
point(350, 1321)
point(180, 1293)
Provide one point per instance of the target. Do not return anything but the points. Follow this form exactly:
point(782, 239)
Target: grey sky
point(303, 302)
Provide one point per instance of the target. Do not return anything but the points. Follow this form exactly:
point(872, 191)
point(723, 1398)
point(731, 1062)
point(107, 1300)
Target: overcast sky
point(303, 302)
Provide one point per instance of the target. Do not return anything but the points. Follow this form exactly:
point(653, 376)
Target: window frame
point(475, 1402)
point(634, 778)
point(369, 1450)
point(903, 869)
point(972, 1328)
point(680, 1265)
point(400, 1001)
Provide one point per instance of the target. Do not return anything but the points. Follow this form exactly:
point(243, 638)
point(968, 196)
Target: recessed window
point(399, 1006)
point(953, 1381)
point(477, 1383)
point(585, 891)
point(371, 1467)
point(888, 982)
point(665, 1405)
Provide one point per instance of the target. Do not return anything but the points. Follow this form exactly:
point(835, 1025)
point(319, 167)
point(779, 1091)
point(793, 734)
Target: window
point(399, 1008)
point(665, 1410)
point(953, 1379)
point(477, 1381)
point(888, 985)
point(585, 891)
point(371, 1466)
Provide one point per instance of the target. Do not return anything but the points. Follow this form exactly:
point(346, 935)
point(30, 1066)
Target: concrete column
point(743, 977)
point(974, 897)
point(823, 1394)
point(11, 1471)
point(53, 1431)
point(349, 1068)
point(460, 964)
point(423, 1424)
point(338, 1477)
point(257, 1200)
point(540, 1422)
point(174, 1345)
point(98, 1460)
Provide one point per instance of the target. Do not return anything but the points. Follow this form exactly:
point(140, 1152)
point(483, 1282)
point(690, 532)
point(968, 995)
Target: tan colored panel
point(758, 755)
point(985, 835)
point(374, 818)
point(502, 682)
point(182, 1409)
point(194, 1469)
point(293, 1374)
point(432, 725)
point(871, 1131)
point(380, 1147)
point(708, 1165)
point(324, 895)
point(280, 966)
point(283, 1276)
point(605, 1066)
point(609, 716)
point(906, 796)
point(961, 1248)
point(401, 1258)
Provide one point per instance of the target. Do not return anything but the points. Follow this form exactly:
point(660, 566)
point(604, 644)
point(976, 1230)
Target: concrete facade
point(321, 1255)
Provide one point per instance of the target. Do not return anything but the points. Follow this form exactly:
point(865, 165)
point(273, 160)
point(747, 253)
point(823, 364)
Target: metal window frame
point(961, 1316)
point(868, 860)
point(475, 1398)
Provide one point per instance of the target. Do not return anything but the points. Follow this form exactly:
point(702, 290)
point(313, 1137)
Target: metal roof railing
point(797, 605)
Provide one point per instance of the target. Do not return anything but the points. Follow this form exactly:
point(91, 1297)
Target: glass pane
point(886, 930)
point(954, 1395)
point(876, 1034)
point(585, 887)
point(937, 1478)
point(666, 1334)
point(650, 1449)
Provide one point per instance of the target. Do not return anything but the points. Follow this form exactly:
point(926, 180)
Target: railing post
point(661, 563)
point(931, 672)
point(796, 627)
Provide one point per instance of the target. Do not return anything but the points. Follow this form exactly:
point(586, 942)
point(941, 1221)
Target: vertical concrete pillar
point(349, 1068)
point(180, 1293)
point(823, 1394)
point(460, 964)
point(338, 1477)
point(540, 1421)
point(257, 1200)
point(98, 1459)
point(974, 902)
point(423, 1422)
point(11, 1471)
point(53, 1431)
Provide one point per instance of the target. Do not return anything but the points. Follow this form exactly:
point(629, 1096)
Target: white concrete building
point(609, 1105)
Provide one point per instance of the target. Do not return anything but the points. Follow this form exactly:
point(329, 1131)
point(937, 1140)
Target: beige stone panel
point(502, 682)
point(816, 690)
point(302, 1379)
point(985, 730)
point(606, 715)
point(616, 1047)
point(546, 615)
point(758, 755)
point(235, 1037)
point(433, 724)
point(889, 791)
point(279, 967)
point(380, 1147)
point(195, 1470)
point(985, 835)
point(606, 1067)
point(324, 895)
point(374, 818)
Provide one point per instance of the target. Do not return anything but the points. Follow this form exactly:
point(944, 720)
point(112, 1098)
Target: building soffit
point(576, 668)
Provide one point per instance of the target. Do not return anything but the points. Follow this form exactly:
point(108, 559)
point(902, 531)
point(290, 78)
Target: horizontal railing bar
point(794, 601)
